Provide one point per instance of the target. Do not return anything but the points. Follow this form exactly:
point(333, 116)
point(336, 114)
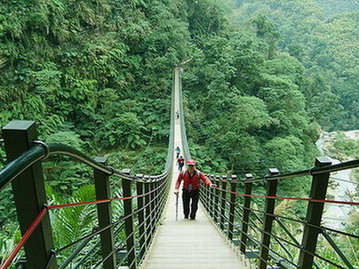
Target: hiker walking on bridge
point(180, 162)
point(178, 151)
point(191, 183)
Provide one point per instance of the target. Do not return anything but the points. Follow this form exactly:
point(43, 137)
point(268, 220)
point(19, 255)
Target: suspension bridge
point(236, 226)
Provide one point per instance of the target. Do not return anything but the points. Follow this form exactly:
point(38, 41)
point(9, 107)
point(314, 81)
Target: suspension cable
point(143, 152)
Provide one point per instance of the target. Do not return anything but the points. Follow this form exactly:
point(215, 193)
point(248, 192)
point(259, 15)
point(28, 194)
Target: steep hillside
point(324, 44)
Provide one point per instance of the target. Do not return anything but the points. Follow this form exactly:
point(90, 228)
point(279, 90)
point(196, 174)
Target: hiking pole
point(176, 206)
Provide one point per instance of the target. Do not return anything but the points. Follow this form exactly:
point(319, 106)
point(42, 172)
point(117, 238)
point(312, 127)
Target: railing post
point(314, 214)
point(156, 199)
point(216, 202)
point(130, 239)
point(160, 194)
point(102, 187)
point(141, 216)
point(29, 195)
point(148, 212)
point(223, 205)
point(205, 195)
point(211, 202)
point(246, 212)
point(153, 206)
point(231, 208)
point(268, 220)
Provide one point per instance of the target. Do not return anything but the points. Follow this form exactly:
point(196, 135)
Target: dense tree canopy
point(78, 65)
point(322, 35)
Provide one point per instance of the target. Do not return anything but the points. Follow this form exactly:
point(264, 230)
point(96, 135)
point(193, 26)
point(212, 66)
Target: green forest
point(264, 78)
point(264, 74)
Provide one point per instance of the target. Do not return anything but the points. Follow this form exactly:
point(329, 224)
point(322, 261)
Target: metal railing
point(122, 241)
point(251, 224)
point(138, 222)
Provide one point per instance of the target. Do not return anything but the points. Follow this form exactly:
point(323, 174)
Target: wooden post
point(231, 208)
point(29, 195)
point(148, 212)
point(246, 212)
point(141, 216)
point(223, 205)
point(102, 187)
point(314, 214)
point(157, 199)
point(268, 220)
point(153, 207)
point(211, 202)
point(216, 204)
point(205, 195)
point(130, 239)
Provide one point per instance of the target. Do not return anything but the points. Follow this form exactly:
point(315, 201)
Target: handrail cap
point(249, 176)
point(126, 171)
point(324, 160)
point(273, 171)
point(101, 160)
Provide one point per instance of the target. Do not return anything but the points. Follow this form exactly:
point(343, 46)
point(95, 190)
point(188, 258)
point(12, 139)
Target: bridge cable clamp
point(112, 170)
point(311, 171)
point(45, 146)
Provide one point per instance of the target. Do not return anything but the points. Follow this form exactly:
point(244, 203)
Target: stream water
point(340, 188)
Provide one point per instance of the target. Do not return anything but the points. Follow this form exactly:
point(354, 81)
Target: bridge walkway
point(188, 243)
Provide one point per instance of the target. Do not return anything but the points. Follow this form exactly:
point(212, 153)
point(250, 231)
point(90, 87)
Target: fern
point(8, 240)
point(51, 124)
point(69, 224)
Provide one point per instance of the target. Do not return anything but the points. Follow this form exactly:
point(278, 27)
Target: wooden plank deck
point(188, 243)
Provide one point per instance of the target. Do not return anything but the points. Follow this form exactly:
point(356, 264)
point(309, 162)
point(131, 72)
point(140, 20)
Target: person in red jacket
point(191, 182)
point(180, 162)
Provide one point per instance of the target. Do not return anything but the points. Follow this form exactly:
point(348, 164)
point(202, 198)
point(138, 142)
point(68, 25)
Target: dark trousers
point(187, 196)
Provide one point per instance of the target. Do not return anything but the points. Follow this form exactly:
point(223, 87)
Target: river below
point(341, 188)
